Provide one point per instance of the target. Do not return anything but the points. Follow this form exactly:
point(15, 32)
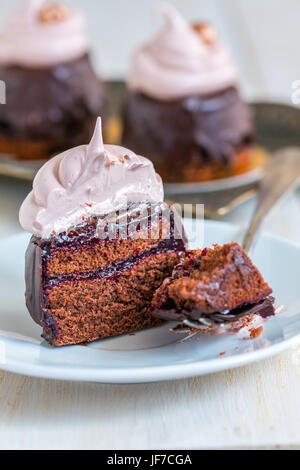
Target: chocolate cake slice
point(80, 287)
point(94, 261)
point(220, 284)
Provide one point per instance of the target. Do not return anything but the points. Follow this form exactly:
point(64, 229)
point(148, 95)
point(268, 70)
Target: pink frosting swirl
point(180, 62)
point(28, 41)
point(91, 179)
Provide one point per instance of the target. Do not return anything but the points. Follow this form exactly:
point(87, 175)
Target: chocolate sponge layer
point(66, 262)
point(85, 310)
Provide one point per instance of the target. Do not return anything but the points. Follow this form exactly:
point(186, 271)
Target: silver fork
point(281, 176)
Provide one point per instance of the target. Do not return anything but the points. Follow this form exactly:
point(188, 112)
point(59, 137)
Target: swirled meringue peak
point(182, 60)
point(93, 179)
point(41, 34)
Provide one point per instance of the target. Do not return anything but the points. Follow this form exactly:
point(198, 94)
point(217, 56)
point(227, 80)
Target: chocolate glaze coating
point(33, 281)
point(196, 130)
point(264, 308)
point(59, 103)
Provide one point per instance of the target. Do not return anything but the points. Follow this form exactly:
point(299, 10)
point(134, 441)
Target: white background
point(263, 35)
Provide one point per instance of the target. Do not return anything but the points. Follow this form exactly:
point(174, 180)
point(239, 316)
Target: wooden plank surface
point(253, 406)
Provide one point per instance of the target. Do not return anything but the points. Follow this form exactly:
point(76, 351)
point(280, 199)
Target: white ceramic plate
point(154, 354)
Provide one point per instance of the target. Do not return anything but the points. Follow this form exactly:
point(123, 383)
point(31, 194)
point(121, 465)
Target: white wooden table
point(256, 406)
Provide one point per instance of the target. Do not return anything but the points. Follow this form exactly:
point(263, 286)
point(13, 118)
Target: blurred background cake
point(183, 108)
point(53, 95)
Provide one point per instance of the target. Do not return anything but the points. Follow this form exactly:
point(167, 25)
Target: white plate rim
point(151, 374)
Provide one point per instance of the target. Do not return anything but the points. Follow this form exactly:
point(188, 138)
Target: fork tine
point(201, 323)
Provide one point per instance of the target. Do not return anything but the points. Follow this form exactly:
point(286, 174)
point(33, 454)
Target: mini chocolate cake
point(93, 263)
point(208, 137)
point(220, 284)
point(183, 109)
point(53, 95)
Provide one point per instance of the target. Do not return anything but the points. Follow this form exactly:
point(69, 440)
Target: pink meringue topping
point(181, 62)
point(29, 41)
point(91, 179)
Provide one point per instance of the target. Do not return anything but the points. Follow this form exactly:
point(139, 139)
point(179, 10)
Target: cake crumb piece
point(256, 332)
